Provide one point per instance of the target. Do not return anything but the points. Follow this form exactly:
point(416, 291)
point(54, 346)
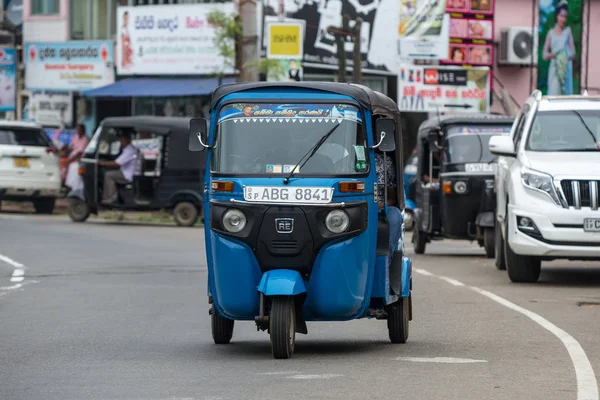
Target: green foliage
point(228, 29)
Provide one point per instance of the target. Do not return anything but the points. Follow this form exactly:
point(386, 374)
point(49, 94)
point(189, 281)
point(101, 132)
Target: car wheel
point(489, 242)
point(521, 269)
point(44, 205)
point(499, 248)
point(79, 210)
point(185, 214)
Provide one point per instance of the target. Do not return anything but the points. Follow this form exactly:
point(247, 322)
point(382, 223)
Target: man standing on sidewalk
point(126, 164)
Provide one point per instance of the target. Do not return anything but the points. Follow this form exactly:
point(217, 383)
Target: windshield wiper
point(311, 152)
point(587, 128)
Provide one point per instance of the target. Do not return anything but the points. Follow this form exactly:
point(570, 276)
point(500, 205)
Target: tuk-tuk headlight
point(234, 221)
point(460, 187)
point(337, 221)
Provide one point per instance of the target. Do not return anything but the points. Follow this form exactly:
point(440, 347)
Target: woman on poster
point(559, 49)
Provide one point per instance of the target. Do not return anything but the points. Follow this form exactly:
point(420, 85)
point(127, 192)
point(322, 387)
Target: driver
point(394, 215)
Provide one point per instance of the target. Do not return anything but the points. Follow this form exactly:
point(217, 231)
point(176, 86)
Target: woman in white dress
point(559, 49)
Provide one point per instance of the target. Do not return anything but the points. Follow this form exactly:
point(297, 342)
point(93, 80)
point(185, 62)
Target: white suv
point(547, 185)
point(29, 167)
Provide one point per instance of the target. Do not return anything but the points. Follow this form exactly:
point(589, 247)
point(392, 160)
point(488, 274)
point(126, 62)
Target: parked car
point(28, 166)
point(547, 185)
point(410, 175)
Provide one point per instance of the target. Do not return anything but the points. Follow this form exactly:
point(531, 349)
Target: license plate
point(591, 225)
point(480, 167)
point(277, 194)
point(21, 162)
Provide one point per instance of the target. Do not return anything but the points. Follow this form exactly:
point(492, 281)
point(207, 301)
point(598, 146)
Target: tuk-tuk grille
point(284, 244)
point(580, 193)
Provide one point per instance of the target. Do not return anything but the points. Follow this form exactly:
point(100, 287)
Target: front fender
point(281, 282)
point(485, 219)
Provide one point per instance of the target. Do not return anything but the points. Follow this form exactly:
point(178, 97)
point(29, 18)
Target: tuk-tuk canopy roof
point(158, 125)
point(378, 103)
point(463, 119)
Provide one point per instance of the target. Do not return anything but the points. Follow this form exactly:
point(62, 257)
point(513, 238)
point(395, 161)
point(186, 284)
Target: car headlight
point(539, 181)
point(337, 221)
point(234, 220)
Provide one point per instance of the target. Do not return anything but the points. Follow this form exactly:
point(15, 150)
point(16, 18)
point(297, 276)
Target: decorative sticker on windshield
point(248, 112)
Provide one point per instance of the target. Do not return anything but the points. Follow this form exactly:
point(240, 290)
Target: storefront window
point(143, 106)
point(101, 18)
point(80, 27)
point(171, 106)
point(45, 7)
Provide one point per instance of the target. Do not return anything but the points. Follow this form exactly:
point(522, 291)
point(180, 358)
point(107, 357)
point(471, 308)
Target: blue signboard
point(8, 80)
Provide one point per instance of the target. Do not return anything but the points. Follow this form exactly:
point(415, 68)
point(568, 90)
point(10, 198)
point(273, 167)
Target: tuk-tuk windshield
point(469, 144)
point(269, 139)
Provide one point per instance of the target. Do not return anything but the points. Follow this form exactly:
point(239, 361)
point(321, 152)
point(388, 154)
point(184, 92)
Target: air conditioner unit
point(518, 45)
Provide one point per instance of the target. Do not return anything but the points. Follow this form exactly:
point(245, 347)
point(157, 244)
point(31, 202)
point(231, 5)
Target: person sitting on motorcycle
point(394, 215)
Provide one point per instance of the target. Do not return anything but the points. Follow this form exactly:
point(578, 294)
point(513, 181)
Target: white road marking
point(18, 275)
point(278, 373)
point(422, 272)
point(314, 376)
point(587, 385)
point(451, 281)
point(443, 360)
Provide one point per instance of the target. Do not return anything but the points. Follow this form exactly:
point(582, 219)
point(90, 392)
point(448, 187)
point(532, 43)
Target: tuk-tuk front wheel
point(79, 210)
point(185, 214)
point(282, 327)
point(222, 328)
point(398, 320)
point(489, 242)
point(419, 240)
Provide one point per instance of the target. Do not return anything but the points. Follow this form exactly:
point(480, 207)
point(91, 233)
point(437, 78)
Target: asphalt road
point(114, 311)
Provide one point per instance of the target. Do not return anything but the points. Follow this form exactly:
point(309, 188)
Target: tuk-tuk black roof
point(379, 103)
point(162, 125)
point(463, 118)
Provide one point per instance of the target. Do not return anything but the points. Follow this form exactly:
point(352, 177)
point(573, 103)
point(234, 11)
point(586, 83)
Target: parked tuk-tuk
point(455, 179)
point(294, 232)
point(167, 175)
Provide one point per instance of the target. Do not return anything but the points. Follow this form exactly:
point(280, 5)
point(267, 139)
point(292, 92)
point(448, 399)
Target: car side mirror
point(502, 146)
point(386, 127)
point(198, 135)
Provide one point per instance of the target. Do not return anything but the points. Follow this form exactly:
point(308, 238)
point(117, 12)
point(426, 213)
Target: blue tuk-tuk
point(293, 226)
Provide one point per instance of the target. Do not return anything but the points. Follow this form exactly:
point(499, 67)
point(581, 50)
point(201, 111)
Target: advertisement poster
point(285, 71)
point(51, 108)
point(379, 48)
point(559, 38)
point(443, 89)
point(178, 39)
point(69, 66)
point(285, 40)
point(471, 32)
point(61, 138)
point(8, 80)
point(423, 29)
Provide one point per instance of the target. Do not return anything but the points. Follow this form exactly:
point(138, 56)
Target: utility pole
point(248, 42)
point(341, 34)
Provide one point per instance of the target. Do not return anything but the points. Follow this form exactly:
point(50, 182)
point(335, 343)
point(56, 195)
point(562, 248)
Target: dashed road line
point(17, 277)
point(587, 385)
point(442, 360)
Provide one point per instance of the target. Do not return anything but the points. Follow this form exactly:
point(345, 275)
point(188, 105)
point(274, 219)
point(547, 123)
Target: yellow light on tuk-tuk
point(351, 187)
point(222, 186)
point(447, 187)
point(81, 170)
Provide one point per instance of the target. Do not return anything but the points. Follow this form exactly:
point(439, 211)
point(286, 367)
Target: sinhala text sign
point(443, 89)
point(69, 66)
point(158, 40)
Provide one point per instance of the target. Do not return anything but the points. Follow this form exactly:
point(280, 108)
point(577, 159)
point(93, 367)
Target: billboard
point(559, 38)
point(8, 80)
point(69, 66)
point(284, 40)
point(423, 29)
point(51, 108)
point(443, 89)
point(159, 40)
point(379, 48)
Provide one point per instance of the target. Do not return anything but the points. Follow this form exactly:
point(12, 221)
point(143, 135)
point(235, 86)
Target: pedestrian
point(79, 142)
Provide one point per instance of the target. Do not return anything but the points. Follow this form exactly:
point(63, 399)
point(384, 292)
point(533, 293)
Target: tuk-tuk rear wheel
point(398, 320)
point(489, 242)
point(79, 210)
point(222, 328)
point(282, 327)
point(185, 214)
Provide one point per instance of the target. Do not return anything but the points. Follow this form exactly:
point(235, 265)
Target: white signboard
point(159, 40)
point(433, 47)
point(443, 89)
point(50, 108)
point(69, 66)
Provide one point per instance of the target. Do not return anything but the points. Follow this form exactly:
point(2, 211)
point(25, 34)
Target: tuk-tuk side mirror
point(386, 129)
point(434, 139)
point(198, 135)
point(502, 146)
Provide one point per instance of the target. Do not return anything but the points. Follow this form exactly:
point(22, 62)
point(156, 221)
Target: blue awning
point(157, 87)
